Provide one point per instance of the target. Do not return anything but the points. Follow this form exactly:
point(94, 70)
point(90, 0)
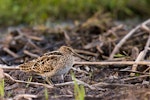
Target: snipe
point(51, 64)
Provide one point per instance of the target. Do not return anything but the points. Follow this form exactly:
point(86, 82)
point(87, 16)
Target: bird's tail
point(27, 67)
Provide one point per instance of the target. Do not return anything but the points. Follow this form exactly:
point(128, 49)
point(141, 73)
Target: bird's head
point(69, 50)
point(66, 50)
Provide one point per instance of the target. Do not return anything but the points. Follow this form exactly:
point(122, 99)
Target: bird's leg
point(49, 81)
point(62, 78)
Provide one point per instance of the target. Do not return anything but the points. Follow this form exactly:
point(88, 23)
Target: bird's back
point(50, 64)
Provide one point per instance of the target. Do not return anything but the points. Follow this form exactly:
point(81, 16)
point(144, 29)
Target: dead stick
point(30, 54)
point(33, 83)
point(72, 82)
point(139, 58)
point(9, 67)
point(135, 72)
point(61, 96)
point(146, 70)
point(89, 63)
point(27, 96)
point(86, 52)
point(3, 61)
point(34, 37)
point(102, 84)
point(117, 47)
point(10, 52)
point(131, 78)
point(142, 54)
point(113, 63)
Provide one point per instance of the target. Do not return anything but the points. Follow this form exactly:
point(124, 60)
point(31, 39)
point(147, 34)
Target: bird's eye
point(52, 57)
point(43, 62)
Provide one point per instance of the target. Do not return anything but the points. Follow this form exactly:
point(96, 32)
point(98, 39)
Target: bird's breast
point(68, 63)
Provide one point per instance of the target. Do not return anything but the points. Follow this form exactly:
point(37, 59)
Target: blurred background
point(30, 28)
point(31, 12)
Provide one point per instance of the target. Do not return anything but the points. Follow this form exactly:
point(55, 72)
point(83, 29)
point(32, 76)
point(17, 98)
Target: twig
point(81, 56)
point(101, 64)
point(113, 30)
point(93, 44)
point(66, 36)
point(34, 37)
point(10, 52)
point(146, 70)
point(9, 67)
point(134, 53)
point(64, 84)
point(139, 58)
point(1, 75)
point(33, 83)
point(17, 58)
point(113, 63)
point(131, 78)
point(78, 81)
point(3, 61)
point(27, 96)
point(99, 49)
point(117, 47)
point(86, 52)
point(60, 96)
point(81, 71)
point(30, 54)
point(30, 42)
point(85, 84)
point(144, 27)
point(144, 52)
point(101, 84)
point(134, 72)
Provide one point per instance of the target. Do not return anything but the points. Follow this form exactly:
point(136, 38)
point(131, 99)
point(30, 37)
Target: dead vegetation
point(118, 66)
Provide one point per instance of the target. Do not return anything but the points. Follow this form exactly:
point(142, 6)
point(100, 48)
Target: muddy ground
point(93, 39)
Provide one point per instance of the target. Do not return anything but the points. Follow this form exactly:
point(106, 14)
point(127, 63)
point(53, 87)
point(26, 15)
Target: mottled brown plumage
point(51, 64)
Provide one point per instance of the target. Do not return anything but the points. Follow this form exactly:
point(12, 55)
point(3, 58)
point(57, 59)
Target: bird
point(55, 63)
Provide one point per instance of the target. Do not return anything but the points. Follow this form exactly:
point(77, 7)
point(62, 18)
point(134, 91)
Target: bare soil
point(94, 41)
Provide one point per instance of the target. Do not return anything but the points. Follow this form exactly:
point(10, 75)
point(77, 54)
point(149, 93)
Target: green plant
point(79, 90)
point(2, 93)
point(29, 80)
point(119, 55)
point(40, 11)
point(118, 8)
point(14, 12)
point(46, 94)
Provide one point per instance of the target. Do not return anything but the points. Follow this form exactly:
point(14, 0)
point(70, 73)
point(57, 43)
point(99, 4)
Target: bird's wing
point(27, 67)
point(46, 64)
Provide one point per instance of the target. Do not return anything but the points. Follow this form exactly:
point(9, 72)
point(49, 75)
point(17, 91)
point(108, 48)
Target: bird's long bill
point(80, 56)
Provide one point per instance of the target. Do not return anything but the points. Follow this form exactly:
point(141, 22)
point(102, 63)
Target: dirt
point(110, 81)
